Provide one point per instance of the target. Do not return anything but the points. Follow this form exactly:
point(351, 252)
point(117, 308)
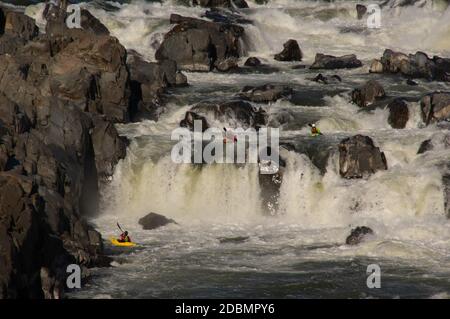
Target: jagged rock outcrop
point(291, 52)
point(323, 61)
point(417, 65)
point(148, 83)
point(398, 113)
point(368, 93)
point(359, 157)
point(200, 45)
point(435, 107)
point(60, 94)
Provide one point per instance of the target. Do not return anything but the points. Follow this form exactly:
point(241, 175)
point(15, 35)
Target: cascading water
point(300, 251)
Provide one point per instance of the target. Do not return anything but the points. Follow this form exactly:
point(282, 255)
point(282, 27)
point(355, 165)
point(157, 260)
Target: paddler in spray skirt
point(315, 130)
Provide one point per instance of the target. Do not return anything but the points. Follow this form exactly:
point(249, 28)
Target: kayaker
point(229, 136)
point(124, 238)
point(315, 130)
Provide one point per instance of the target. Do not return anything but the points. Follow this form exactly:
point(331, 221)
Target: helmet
point(313, 125)
point(126, 233)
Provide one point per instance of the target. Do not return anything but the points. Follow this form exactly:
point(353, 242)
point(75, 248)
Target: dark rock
point(439, 140)
point(446, 183)
point(425, 146)
point(252, 61)
point(237, 112)
point(358, 235)
point(291, 52)
point(323, 61)
point(411, 82)
point(361, 10)
point(398, 113)
point(19, 25)
point(199, 45)
point(320, 78)
point(435, 107)
point(358, 157)
point(368, 93)
point(233, 240)
point(92, 24)
point(225, 16)
point(152, 221)
point(417, 65)
point(108, 146)
point(226, 65)
point(189, 119)
point(221, 3)
point(265, 93)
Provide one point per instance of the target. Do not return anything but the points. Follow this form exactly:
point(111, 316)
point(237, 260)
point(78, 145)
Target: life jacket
point(314, 130)
point(124, 239)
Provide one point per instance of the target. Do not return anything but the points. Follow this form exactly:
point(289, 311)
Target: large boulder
point(398, 113)
point(359, 157)
point(368, 93)
point(199, 45)
point(291, 52)
point(153, 221)
point(358, 235)
point(265, 93)
point(435, 107)
point(323, 61)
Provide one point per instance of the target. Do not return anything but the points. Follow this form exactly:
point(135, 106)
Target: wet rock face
point(358, 235)
point(148, 83)
point(291, 52)
point(398, 113)
point(323, 61)
point(368, 93)
point(153, 221)
point(59, 97)
point(435, 107)
point(199, 45)
point(265, 93)
point(359, 157)
point(446, 183)
point(417, 65)
point(236, 112)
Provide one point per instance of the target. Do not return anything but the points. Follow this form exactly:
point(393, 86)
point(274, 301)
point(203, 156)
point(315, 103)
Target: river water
point(300, 251)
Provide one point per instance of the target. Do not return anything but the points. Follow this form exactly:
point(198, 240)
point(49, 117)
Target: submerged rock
point(398, 113)
point(359, 157)
point(252, 61)
point(320, 78)
point(368, 93)
point(233, 240)
point(440, 140)
point(435, 107)
point(291, 52)
point(221, 3)
point(153, 221)
point(358, 235)
point(323, 61)
point(199, 45)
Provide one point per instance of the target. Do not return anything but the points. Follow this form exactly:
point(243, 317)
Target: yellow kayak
point(115, 242)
